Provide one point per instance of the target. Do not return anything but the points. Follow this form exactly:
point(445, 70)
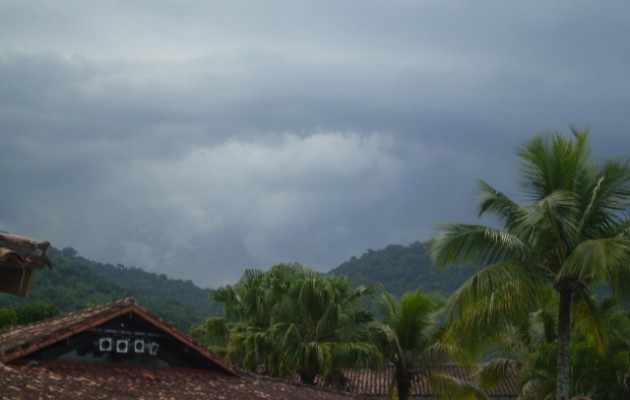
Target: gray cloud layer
point(201, 138)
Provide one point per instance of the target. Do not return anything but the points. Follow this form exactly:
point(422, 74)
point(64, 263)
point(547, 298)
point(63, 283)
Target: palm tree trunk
point(403, 378)
point(563, 377)
point(308, 378)
point(404, 387)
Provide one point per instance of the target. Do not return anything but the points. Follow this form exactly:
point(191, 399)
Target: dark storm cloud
point(201, 138)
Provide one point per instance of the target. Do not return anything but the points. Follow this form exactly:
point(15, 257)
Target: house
point(122, 351)
point(376, 384)
point(20, 257)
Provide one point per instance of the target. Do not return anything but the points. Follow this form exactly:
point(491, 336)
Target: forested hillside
point(75, 283)
point(147, 283)
point(401, 269)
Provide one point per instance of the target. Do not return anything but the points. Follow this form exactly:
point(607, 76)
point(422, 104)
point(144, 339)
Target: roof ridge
point(18, 341)
point(24, 340)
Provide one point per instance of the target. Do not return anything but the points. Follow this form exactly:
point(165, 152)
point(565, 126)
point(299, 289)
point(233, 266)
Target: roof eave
point(107, 314)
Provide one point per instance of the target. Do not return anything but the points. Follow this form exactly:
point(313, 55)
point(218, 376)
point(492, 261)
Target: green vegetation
point(152, 284)
point(407, 338)
point(75, 283)
point(292, 321)
point(599, 370)
point(546, 291)
point(8, 318)
point(573, 235)
point(402, 269)
point(31, 312)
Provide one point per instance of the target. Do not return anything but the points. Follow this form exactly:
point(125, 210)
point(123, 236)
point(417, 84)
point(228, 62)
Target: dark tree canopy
point(571, 234)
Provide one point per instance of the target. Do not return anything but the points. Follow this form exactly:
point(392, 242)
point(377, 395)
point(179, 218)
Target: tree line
point(549, 295)
point(75, 283)
point(402, 269)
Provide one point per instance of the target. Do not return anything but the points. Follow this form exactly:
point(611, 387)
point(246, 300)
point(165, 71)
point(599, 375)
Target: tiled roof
point(28, 339)
point(25, 378)
point(19, 258)
point(376, 383)
point(56, 380)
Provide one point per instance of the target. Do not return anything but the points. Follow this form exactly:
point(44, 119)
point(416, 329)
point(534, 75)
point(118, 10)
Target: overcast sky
point(200, 138)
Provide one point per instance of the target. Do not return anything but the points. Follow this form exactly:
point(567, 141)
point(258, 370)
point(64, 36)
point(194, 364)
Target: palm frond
point(512, 343)
point(489, 303)
point(538, 389)
point(415, 320)
point(589, 320)
point(505, 284)
point(358, 354)
point(543, 322)
point(551, 163)
point(498, 204)
point(596, 260)
point(615, 191)
point(406, 328)
point(385, 338)
point(551, 224)
point(248, 345)
point(619, 228)
point(438, 353)
point(573, 234)
point(493, 373)
point(477, 245)
point(448, 387)
point(606, 198)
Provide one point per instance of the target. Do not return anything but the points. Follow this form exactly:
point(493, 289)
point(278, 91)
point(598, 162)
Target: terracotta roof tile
point(79, 381)
point(367, 382)
point(25, 379)
point(28, 339)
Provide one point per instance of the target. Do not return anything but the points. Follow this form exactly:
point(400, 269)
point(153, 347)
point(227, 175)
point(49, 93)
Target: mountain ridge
point(76, 282)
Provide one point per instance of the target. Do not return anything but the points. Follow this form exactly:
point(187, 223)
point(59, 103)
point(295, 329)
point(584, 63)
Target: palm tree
point(572, 235)
point(514, 346)
point(292, 321)
point(319, 327)
point(406, 335)
point(248, 305)
point(601, 372)
point(409, 339)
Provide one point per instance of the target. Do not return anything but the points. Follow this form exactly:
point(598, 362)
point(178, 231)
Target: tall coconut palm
point(572, 234)
point(599, 372)
point(406, 335)
point(410, 339)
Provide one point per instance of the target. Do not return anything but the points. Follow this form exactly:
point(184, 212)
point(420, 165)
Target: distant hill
point(152, 284)
point(401, 269)
point(76, 282)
